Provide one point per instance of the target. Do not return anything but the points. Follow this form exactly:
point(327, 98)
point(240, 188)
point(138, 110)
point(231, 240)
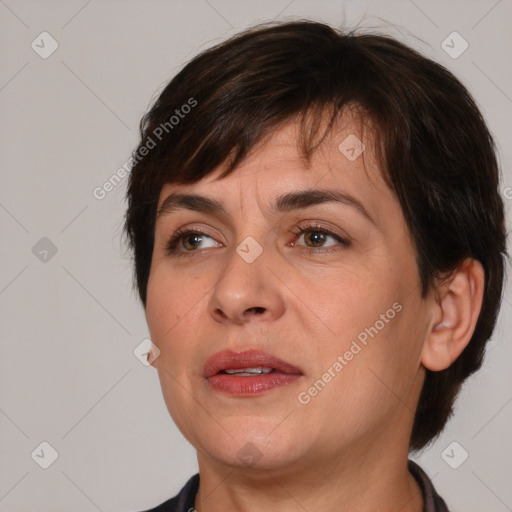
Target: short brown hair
point(435, 150)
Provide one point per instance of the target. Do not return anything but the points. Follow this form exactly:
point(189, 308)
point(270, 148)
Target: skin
point(347, 448)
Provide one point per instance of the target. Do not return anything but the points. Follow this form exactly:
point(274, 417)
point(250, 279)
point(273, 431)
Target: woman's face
point(338, 302)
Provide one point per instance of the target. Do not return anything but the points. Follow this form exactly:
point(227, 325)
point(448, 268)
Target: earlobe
point(455, 314)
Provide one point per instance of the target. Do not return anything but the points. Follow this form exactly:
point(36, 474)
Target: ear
point(456, 308)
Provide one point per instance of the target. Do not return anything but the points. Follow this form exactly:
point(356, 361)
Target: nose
point(247, 292)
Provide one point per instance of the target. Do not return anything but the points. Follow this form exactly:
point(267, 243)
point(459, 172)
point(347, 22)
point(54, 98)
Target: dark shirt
point(184, 500)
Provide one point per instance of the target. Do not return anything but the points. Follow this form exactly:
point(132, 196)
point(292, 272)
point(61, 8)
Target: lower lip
point(250, 386)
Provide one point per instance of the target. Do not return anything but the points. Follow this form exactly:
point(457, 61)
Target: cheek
point(172, 300)
point(351, 306)
point(385, 371)
point(172, 316)
point(172, 310)
point(364, 381)
point(370, 330)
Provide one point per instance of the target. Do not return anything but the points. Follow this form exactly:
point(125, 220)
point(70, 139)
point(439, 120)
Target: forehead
point(344, 160)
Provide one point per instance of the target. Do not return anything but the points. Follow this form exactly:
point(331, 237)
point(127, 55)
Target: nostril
point(221, 313)
point(257, 309)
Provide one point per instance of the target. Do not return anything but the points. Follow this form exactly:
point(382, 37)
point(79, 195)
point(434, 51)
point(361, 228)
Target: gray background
point(70, 321)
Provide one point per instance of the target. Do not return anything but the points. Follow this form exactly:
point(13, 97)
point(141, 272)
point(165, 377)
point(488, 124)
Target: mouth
point(248, 373)
point(247, 364)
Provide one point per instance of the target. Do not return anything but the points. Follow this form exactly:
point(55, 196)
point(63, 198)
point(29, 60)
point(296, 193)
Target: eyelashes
point(181, 235)
point(315, 228)
point(177, 244)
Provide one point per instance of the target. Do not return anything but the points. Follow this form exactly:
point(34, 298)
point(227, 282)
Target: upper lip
point(248, 359)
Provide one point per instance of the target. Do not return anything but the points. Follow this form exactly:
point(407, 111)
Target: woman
point(319, 248)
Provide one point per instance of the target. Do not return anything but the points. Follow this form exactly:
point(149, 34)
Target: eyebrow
point(285, 203)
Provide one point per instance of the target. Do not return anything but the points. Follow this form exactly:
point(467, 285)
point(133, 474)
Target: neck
point(351, 482)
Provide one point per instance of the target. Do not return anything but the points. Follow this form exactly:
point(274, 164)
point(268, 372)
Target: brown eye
point(316, 238)
point(188, 241)
point(191, 240)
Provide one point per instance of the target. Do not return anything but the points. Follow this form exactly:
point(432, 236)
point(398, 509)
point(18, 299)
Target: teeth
point(247, 372)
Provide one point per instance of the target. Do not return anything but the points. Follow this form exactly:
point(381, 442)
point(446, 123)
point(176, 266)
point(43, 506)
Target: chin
point(255, 445)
